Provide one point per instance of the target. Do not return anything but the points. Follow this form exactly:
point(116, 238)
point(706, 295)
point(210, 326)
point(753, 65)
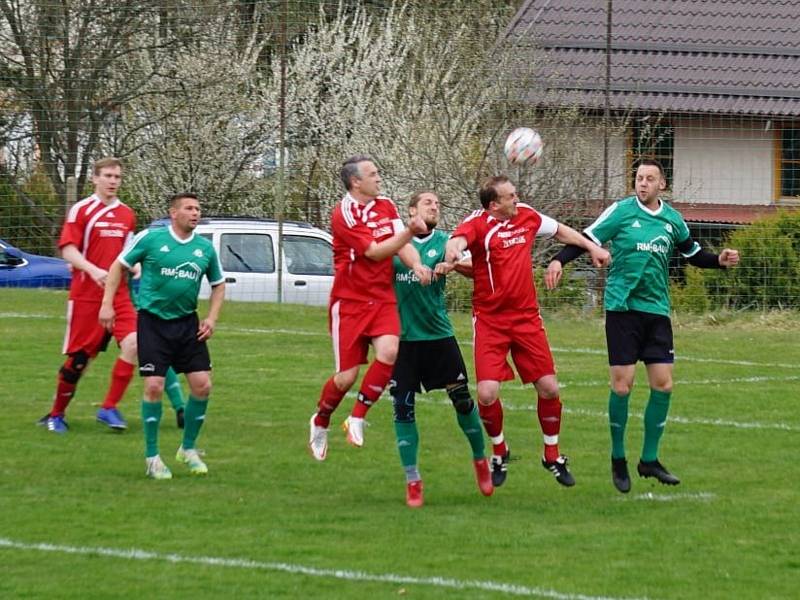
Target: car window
point(9, 260)
point(208, 236)
point(246, 253)
point(308, 255)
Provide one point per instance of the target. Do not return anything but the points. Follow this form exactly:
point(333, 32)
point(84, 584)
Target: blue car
point(21, 269)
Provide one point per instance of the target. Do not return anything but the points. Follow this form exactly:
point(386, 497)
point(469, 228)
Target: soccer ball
point(524, 146)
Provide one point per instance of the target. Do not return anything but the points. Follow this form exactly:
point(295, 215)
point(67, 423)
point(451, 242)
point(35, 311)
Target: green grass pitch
point(78, 519)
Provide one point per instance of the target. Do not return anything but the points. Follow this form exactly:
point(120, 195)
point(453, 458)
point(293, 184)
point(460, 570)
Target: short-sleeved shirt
point(423, 312)
point(642, 241)
point(502, 261)
point(100, 232)
point(355, 226)
point(172, 270)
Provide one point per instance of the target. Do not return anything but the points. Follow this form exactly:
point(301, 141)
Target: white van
point(248, 250)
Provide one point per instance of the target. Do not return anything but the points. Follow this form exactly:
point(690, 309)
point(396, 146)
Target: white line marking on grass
point(650, 496)
point(282, 331)
point(243, 563)
point(603, 415)
point(16, 315)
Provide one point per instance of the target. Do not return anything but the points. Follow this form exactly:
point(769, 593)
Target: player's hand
point(206, 329)
point(99, 276)
point(106, 317)
point(417, 225)
point(443, 268)
point(600, 256)
point(729, 258)
point(423, 273)
point(552, 276)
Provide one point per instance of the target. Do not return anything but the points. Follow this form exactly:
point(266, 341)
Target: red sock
point(64, 393)
point(121, 376)
point(549, 412)
point(375, 380)
point(492, 418)
point(329, 399)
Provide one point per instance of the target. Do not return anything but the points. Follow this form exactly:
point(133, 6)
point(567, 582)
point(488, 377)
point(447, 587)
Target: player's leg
point(659, 376)
point(374, 382)
point(658, 354)
point(349, 352)
point(82, 339)
point(192, 357)
point(174, 391)
point(121, 375)
point(155, 339)
point(625, 336)
point(622, 377)
point(491, 346)
point(405, 427)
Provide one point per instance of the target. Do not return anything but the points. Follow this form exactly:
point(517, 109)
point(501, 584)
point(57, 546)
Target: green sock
point(471, 426)
point(173, 388)
point(655, 418)
point(151, 419)
point(407, 442)
point(193, 419)
point(617, 420)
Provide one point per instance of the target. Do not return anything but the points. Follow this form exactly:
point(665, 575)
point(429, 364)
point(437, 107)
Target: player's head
point(650, 180)
point(360, 177)
point(426, 205)
point(107, 177)
point(499, 196)
point(184, 210)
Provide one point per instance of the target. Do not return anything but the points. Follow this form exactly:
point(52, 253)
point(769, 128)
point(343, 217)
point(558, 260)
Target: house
point(709, 87)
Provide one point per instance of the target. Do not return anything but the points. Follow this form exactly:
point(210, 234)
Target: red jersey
point(502, 262)
point(355, 226)
point(99, 231)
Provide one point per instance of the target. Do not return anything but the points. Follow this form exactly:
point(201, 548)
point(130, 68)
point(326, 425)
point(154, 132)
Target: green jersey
point(423, 314)
point(172, 270)
point(642, 241)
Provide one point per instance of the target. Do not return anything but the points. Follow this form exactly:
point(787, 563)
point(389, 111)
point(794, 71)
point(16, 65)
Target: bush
point(691, 296)
point(768, 275)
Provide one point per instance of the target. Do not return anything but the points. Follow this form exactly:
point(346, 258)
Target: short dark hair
point(488, 189)
point(173, 200)
point(350, 169)
point(414, 200)
point(650, 162)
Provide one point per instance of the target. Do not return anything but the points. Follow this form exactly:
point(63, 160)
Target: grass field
point(78, 519)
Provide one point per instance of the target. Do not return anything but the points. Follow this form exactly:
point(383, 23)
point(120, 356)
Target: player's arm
point(410, 258)
point(106, 314)
point(77, 260)
point(378, 251)
point(703, 259)
point(572, 250)
point(206, 328)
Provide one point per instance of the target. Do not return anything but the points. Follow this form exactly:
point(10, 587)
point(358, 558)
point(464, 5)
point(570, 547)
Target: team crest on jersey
point(198, 253)
point(668, 227)
point(431, 253)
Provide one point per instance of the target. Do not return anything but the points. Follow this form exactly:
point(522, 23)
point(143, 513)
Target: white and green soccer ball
point(524, 146)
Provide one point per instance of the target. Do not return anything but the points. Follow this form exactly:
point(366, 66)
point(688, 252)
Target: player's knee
point(547, 387)
point(74, 366)
point(201, 389)
point(128, 347)
point(344, 380)
point(402, 405)
point(153, 388)
point(461, 398)
point(621, 388)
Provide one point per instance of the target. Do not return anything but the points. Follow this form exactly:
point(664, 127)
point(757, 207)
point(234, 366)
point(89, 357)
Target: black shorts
point(170, 343)
point(633, 335)
point(434, 364)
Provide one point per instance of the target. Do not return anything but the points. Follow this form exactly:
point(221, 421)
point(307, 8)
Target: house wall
point(723, 162)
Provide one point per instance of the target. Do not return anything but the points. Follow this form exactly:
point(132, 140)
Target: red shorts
point(84, 331)
point(521, 334)
point(353, 324)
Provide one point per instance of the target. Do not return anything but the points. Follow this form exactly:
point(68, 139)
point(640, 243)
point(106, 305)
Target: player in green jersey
point(169, 332)
point(643, 231)
point(429, 355)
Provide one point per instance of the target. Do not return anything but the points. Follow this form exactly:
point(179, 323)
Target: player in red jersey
point(367, 232)
point(506, 315)
point(94, 233)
